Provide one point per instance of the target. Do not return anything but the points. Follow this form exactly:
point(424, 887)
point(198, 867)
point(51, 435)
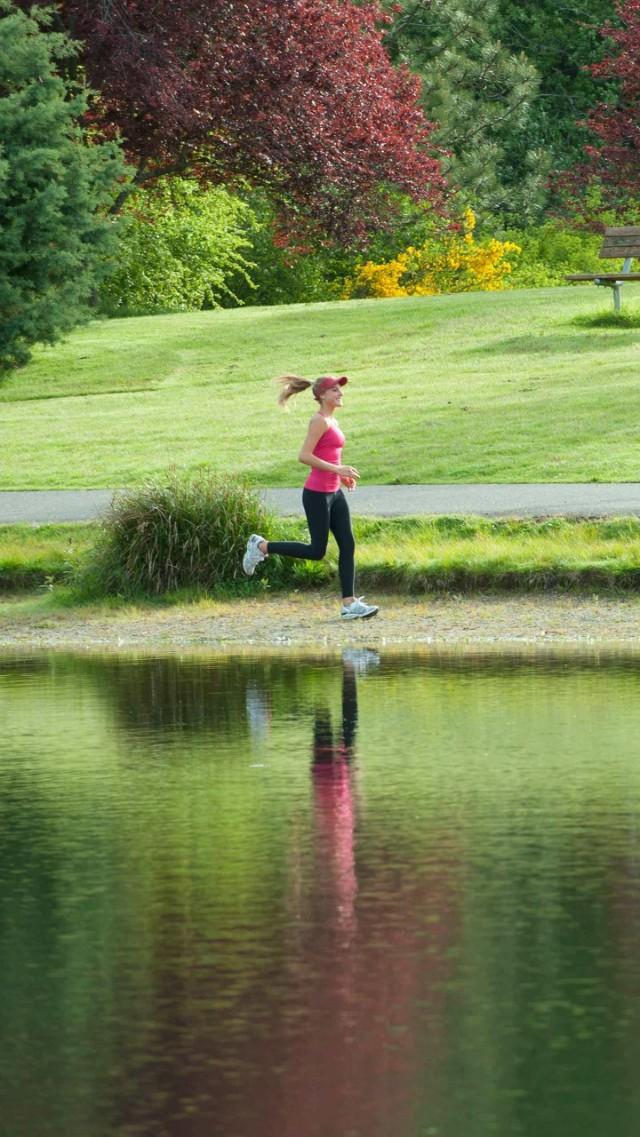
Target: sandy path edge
point(311, 623)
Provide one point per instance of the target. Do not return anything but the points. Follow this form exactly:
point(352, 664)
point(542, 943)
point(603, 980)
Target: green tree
point(480, 95)
point(54, 183)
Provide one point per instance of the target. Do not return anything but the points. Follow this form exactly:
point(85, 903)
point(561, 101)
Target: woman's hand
point(347, 472)
point(349, 483)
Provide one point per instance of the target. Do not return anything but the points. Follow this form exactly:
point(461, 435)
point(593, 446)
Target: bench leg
point(616, 296)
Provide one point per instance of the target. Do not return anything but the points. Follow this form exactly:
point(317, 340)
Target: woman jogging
point(322, 497)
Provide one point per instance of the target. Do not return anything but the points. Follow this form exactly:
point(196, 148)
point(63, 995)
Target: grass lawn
point(405, 555)
point(494, 387)
point(39, 555)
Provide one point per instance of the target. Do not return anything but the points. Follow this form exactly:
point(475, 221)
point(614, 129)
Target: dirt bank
point(312, 621)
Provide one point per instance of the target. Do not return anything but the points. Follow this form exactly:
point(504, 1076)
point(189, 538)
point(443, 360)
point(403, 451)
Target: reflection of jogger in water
point(326, 750)
point(333, 790)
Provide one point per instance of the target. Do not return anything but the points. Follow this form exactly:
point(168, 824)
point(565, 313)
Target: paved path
point(592, 499)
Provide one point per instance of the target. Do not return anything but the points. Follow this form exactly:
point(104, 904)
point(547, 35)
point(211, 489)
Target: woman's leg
point(340, 525)
point(316, 507)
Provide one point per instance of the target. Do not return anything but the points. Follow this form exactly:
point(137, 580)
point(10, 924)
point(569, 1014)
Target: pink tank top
point(329, 448)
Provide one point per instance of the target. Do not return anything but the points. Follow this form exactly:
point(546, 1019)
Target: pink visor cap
point(327, 382)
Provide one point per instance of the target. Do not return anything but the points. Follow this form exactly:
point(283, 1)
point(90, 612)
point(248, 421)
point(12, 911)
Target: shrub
point(550, 252)
point(282, 273)
point(182, 531)
point(179, 250)
point(455, 262)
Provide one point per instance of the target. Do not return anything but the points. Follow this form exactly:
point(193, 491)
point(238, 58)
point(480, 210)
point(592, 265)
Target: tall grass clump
point(181, 531)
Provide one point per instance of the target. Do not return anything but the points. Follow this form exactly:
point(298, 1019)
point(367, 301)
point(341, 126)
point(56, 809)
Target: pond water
point(370, 896)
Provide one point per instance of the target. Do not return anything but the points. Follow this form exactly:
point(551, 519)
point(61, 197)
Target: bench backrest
point(621, 242)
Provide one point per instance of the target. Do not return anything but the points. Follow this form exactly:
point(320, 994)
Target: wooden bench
point(618, 242)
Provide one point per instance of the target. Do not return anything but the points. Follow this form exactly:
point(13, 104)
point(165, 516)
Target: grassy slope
point(482, 387)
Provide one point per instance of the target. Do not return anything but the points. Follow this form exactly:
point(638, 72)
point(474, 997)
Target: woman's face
point(332, 398)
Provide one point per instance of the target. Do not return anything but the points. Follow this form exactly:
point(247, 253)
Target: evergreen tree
point(562, 39)
point(480, 95)
point(53, 184)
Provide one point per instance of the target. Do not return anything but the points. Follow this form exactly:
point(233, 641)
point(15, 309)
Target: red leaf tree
point(615, 159)
point(295, 95)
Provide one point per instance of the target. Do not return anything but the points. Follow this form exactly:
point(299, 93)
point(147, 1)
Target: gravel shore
point(312, 621)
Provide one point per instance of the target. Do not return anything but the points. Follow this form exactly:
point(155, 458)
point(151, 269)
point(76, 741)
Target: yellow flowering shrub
point(455, 263)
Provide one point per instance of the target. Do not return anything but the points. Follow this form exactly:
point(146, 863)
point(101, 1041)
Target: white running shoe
point(253, 554)
point(358, 610)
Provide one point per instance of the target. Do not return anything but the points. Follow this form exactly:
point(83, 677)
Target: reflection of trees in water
point(231, 696)
point(22, 668)
point(188, 696)
point(367, 973)
point(309, 1027)
point(177, 695)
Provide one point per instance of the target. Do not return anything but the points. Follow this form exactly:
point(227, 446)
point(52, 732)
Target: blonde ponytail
point(291, 385)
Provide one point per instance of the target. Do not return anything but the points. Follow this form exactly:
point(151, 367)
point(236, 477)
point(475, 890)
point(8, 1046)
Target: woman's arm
point(317, 427)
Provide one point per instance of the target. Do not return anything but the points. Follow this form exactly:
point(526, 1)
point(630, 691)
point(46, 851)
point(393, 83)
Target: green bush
point(281, 273)
point(184, 531)
point(281, 277)
point(549, 253)
point(180, 248)
point(286, 274)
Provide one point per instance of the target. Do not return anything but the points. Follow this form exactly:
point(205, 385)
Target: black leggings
point(326, 512)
